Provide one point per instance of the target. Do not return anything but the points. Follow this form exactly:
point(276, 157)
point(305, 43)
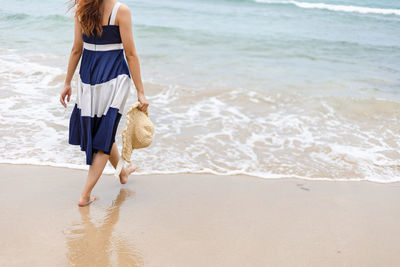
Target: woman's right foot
point(123, 177)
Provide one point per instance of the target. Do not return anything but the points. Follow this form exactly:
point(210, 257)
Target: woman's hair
point(89, 14)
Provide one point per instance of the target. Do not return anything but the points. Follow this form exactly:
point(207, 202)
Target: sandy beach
point(276, 133)
point(195, 220)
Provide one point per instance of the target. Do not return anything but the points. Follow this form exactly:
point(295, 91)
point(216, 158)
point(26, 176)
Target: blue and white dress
point(103, 88)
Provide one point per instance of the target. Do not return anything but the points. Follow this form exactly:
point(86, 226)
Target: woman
point(103, 32)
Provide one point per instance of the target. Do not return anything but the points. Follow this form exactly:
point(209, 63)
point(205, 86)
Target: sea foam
point(223, 131)
point(342, 8)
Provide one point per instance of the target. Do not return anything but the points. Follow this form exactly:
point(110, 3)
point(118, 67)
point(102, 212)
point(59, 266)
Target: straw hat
point(138, 133)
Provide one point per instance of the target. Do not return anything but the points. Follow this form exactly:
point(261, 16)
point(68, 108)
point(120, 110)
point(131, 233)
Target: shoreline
point(81, 168)
point(195, 220)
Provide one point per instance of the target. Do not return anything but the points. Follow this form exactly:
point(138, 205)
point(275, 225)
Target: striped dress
point(103, 88)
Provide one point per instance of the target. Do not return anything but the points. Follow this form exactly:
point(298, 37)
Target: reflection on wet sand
point(93, 244)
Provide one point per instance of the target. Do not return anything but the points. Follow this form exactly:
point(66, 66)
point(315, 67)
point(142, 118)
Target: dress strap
point(114, 13)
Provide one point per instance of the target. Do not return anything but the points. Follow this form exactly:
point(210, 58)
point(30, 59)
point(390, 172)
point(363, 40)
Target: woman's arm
point(125, 27)
point(74, 57)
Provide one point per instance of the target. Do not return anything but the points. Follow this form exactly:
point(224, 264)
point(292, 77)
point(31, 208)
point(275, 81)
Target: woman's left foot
point(123, 178)
point(84, 202)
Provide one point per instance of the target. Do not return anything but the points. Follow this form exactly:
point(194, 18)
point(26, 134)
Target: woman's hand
point(66, 92)
point(143, 102)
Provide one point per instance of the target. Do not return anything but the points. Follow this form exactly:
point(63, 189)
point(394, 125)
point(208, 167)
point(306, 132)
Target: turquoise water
point(300, 70)
point(267, 46)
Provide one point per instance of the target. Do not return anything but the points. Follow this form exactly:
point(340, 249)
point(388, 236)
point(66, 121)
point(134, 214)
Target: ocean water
point(307, 89)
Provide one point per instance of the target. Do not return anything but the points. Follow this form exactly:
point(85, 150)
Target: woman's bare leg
point(114, 158)
point(95, 170)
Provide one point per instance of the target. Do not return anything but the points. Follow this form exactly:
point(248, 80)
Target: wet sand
point(195, 220)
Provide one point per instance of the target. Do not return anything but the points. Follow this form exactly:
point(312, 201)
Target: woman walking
point(103, 34)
